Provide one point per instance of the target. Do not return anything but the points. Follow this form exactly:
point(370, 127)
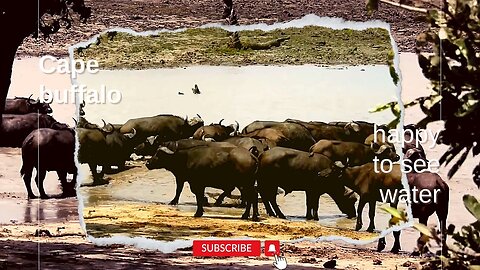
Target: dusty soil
point(159, 221)
point(64, 247)
point(213, 46)
point(142, 15)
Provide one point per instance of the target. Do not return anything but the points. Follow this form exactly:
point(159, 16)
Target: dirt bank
point(67, 249)
point(142, 15)
point(213, 46)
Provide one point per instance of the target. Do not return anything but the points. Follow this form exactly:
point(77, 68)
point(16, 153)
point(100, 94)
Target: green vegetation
point(212, 46)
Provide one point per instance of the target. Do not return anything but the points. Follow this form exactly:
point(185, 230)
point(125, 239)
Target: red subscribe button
point(226, 248)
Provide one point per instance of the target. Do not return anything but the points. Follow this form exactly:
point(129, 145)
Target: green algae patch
point(215, 46)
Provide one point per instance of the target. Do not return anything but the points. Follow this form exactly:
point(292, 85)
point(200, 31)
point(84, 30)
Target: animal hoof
point(173, 203)
point(370, 229)
point(255, 218)
point(217, 203)
point(31, 197)
point(309, 217)
point(315, 218)
point(395, 250)
point(358, 227)
point(381, 245)
point(198, 214)
point(244, 216)
point(44, 197)
point(282, 216)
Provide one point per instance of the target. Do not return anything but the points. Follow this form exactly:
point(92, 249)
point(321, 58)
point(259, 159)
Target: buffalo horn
point(129, 135)
point(166, 150)
point(381, 149)
point(339, 164)
point(221, 121)
point(237, 127)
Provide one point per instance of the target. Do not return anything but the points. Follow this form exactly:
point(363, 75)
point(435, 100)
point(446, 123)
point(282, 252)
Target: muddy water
point(243, 94)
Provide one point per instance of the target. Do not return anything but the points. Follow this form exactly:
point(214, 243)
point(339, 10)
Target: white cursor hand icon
point(280, 262)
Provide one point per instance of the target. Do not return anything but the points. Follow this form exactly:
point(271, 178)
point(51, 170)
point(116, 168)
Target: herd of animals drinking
point(315, 157)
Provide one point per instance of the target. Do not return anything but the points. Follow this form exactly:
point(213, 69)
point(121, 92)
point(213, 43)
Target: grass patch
point(211, 46)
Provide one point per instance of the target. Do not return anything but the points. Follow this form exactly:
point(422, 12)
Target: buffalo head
point(160, 159)
point(351, 127)
point(38, 106)
point(384, 151)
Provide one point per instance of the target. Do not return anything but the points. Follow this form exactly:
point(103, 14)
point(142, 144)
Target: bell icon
point(271, 249)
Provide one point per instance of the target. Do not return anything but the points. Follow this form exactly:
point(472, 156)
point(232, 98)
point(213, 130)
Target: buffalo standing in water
point(211, 166)
point(49, 149)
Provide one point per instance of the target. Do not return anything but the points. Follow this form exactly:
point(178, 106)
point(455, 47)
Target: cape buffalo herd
point(315, 157)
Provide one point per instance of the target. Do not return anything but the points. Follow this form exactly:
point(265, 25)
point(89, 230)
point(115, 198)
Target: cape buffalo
point(168, 127)
point(211, 166)
point(185, 144)
point(294, 170)
point(22, 105)
point(256, 125)
point(104, 147)
point(435, 185)
point(256, 146)
point(355, 153)
point(341, 131)
point(216, 132)
point(47, 149)
point(16, 128)
point(368, 185)
point(291, 135)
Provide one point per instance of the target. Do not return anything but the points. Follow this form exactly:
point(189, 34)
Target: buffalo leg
point(315, 205)
point(396, 245)
point(442, 218)
point(381, 244)
point(266, 203)
point(27, 178)
point(39, 180)
point(309, 198)
point(180, 184)
point(361, 204)
point(371, 215)
point(222, 196)
point(273, 201)
point(255, 214)
point(200, 196)
point(62, 176)
point(252, 200)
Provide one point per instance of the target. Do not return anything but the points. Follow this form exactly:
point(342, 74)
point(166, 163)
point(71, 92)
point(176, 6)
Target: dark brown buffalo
point(166, 127)
point(291, 135)
point(367, 183)
point(23, 105)
point(16, 128)
point(342, 131)
point(355, 153)
point(435, 185)
point(211, 166)
point(294, 170)
point(253, 145)
point(216, 132)
point(47, 149)
point(188, 144)
point(257, 125)
point(104, 147)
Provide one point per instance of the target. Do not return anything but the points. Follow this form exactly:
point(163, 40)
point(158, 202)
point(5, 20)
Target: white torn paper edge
point(308, 20)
